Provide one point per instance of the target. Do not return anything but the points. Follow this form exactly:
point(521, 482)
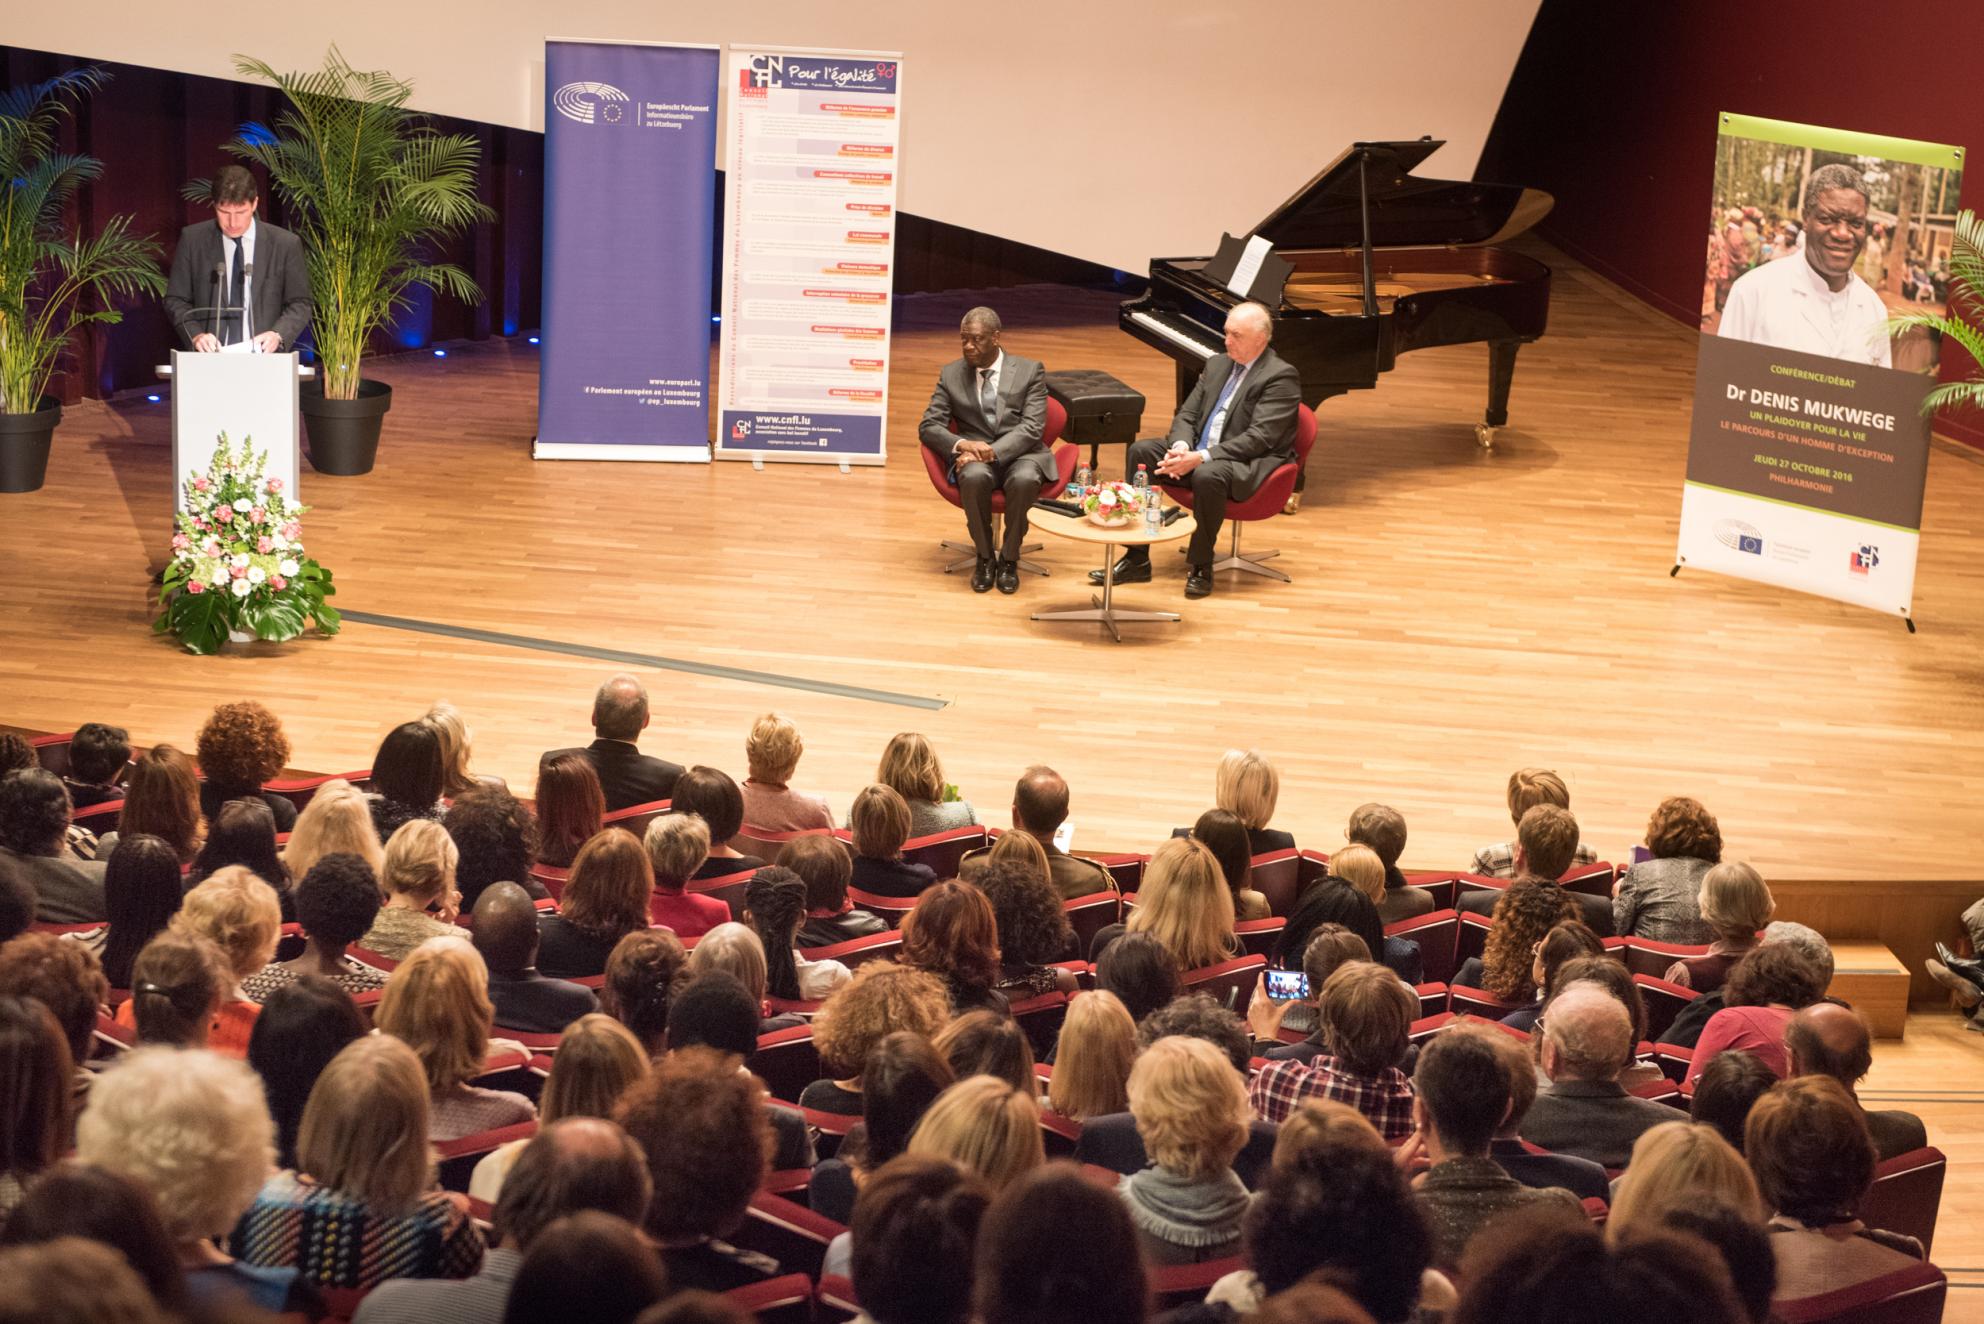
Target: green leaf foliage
point(1964, 322)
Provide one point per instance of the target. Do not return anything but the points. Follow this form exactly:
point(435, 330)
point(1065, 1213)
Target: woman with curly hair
point(909, 767)
point(408, 775)
point(882, 999)
point(1031, 928)
point(1523, 914)
point(337, 821)
point(642, 973)
point(161, 799)
point(241, 747)
point(1564, 943)
point(238, 913)
point(1191, 1110)
point(496, 837)
point(1659, 899)
point(1763, 992)
point(570, 805)
point(605, 899)
point(336, 905)
point(952, 934)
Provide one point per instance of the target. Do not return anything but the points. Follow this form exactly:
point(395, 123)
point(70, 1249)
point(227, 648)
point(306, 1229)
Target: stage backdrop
point(810, 184)
point(629, 217)
point(1809, 446)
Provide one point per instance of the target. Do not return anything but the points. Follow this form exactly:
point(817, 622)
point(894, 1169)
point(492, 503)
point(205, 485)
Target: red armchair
point(1264, 504)
point(1065, 458)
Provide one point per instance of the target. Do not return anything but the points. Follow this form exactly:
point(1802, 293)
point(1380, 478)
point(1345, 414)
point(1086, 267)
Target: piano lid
point(1406, 211)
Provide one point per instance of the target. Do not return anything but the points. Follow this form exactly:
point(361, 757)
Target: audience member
point(880, 823)
point(18, 901)
point(1659, 898)
point(882, 999)
point(715, 1012)
point(1585, 1111)
point(109, 1208)
point(1017, 850)
point(1040, 807)
point(1610, 974)
point(604, 900)
point(407, 777)
point(985, 1126)
point(824, 865)
point(736, 949)
point(457, 748)
point(162, 799)
point(303, 1025)
point(1329, 900)
point(1246, 785)
point(98, 756)
point(1141, 971)
point(1549, 1265)
point(244, 834)
point(1184, 903)
point(337, 903)
point(910, 768)
point(239, 749)
point(1546, 843)
point(1581, 1177)
point(771, 752)
point(775, 907)
point(360, 1206)
point(571, 1165)
point(1057, 1249)
point(597, 1062)
point(1226, 837)
point(177, 986)
point(712, 795)
point(1725, 1091)
point(589, 1266)
point(952, 934)
point(1826, 1039)
point(337, 821)
point(1744, 1246)
point(495, 839)
point(39, 1073)
point(525, 1001)
point(915, 1225)
point(1032, 930)
point(1680, 1165)
point(1191, 1111)
point(1093, 1057)
point(1735, 903)
point(1382, 828)
point(641, 975)
point(626, 776)
point(1567, 941)
point(71, 1280)
point(1199, 1016)
point(1366, 1015)
point(1762, 992)
point(1330, 945)
point(437, 1003)
point(1462, 1091)
point(64, 977)
point(1527, 911)
point(570, 805)
point(903, 1077)
point(141, 894)
point(238, 913)
point(418, 881)
point(1689, 1022)
point(1528, 788)
point(1360, 867)
point(16, 753)
point(984, 1043)
point(701, 1124)
point(677, 845)
point(1814, 1163)
point(34, 828)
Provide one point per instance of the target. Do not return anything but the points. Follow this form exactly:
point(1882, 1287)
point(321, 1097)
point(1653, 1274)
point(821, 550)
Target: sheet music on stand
point(1249, 268)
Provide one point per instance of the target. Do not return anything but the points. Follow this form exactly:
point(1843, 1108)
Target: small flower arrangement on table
point(238, 565)
point(1113, 505)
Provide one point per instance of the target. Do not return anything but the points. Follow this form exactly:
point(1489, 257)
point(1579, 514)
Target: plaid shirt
point(1386, 1098)
point(1499, 860)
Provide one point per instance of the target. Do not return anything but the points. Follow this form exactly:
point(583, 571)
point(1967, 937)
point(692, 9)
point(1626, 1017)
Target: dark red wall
point(1612, 109)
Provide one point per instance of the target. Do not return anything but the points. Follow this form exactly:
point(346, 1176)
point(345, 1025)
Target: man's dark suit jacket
point(1259, 436)
point(1022, 405)
point(1112, 1142)
point(533, 1004)
point(628, 776)
point(279, 288)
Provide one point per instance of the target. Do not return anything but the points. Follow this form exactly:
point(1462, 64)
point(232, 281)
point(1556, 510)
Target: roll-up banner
point(629, 222)
point(1809, 446)
point(811, 154)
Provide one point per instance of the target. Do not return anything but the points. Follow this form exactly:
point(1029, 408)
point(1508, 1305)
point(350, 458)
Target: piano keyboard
point(1174, 335)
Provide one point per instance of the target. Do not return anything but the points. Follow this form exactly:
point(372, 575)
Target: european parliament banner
point(812, 155)
point(1809, 446)
point(629, 221)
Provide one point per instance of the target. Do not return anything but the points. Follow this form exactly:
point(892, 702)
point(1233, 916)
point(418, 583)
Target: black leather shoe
point(1129, 570)
point(981, 575)
point(1007, 577)
point(1198, 584)
point(1967, 992)
point(1968, 966)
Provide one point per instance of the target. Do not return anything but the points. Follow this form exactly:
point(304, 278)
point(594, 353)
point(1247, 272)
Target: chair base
point(970, 557)
point(1250, 563)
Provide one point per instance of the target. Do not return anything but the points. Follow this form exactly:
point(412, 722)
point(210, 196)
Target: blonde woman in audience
point(1360, 867)
point(362, 1206)
point(1247, 786)
point(772, 753)
point(1021, 849)
point(1185, 904)
point(177, 984)
point(1528, 788)
point(1680, 1165)
point(418, 879)
point(445, 720)
point(239, 914)
point(161, 799)
point(606, 898)
point(1735, 903)
point(437, 1003)
point(597, 1061)
point(882, 999)
point(1093, 1057)
point(1190, 1107)
point(985, 1126)
point(909, 766)
point(337, 821)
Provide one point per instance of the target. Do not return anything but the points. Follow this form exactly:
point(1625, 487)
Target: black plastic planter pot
point(24, 445)
point(344, 434)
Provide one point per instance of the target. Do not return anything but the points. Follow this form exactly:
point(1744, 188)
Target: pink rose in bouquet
point(264, 546)
point(195, 586)
point(180, 542)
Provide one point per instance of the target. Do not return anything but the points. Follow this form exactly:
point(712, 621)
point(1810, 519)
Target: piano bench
point(1101, 410)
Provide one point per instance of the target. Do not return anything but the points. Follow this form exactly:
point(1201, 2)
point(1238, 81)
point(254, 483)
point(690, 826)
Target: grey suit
point(1257, 438)
point(67, 890)
point(278, 290)
point(1593, 1120)
point(1023, 463)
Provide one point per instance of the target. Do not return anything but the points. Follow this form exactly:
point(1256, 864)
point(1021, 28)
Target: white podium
point(247, 396)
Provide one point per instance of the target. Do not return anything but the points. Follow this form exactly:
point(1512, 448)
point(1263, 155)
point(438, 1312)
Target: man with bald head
point(1826, 1039)
point(574, 1164)
point(1234, 429)
point(1585, 1111)
point(1040, 806)
point(627, 776)
point(987, 422)
point(506, 935)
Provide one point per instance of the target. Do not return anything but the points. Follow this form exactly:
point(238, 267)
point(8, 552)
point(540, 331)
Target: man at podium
point(237, 280)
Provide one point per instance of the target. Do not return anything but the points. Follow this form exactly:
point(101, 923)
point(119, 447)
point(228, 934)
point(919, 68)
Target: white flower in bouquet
point(240, 558)
point(243, 504)
point(287, 567)
point(242, 588)
point(1107, 498)
point(257, 575)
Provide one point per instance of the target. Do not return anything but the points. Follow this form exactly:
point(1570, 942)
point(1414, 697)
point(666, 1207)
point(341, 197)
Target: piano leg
point(1501, 373)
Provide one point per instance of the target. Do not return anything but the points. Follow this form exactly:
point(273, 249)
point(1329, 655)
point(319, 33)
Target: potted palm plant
point(53, 280)
point(1963, 322)
point(369, 188)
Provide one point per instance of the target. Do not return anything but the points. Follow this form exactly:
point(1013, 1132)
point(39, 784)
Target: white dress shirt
point(1789, 305)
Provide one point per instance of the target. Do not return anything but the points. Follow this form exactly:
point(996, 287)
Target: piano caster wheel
point(1485, 435)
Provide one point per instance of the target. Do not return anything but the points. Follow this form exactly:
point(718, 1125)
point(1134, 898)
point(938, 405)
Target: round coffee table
point(1078, 529)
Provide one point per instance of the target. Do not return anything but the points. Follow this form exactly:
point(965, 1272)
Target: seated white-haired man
point(1585, 1111)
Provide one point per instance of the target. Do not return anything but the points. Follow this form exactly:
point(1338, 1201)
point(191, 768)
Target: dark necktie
point(988, 397)
point(231, 329)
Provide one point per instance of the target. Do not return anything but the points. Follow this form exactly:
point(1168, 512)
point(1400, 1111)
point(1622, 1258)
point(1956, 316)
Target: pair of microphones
point(217, 307)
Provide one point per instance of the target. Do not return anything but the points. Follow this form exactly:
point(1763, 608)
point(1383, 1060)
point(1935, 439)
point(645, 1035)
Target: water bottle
point(1079, 487)
point(1153, 516)
point(1142, 483)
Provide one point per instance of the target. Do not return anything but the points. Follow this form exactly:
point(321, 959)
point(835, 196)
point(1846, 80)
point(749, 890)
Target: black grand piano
point(1384, 262)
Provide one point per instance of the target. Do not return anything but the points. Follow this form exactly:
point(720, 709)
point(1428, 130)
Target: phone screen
point(1287, 985)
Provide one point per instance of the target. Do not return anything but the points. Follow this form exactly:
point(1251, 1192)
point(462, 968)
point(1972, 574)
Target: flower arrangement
point(1113, 504)
point(238, 565)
